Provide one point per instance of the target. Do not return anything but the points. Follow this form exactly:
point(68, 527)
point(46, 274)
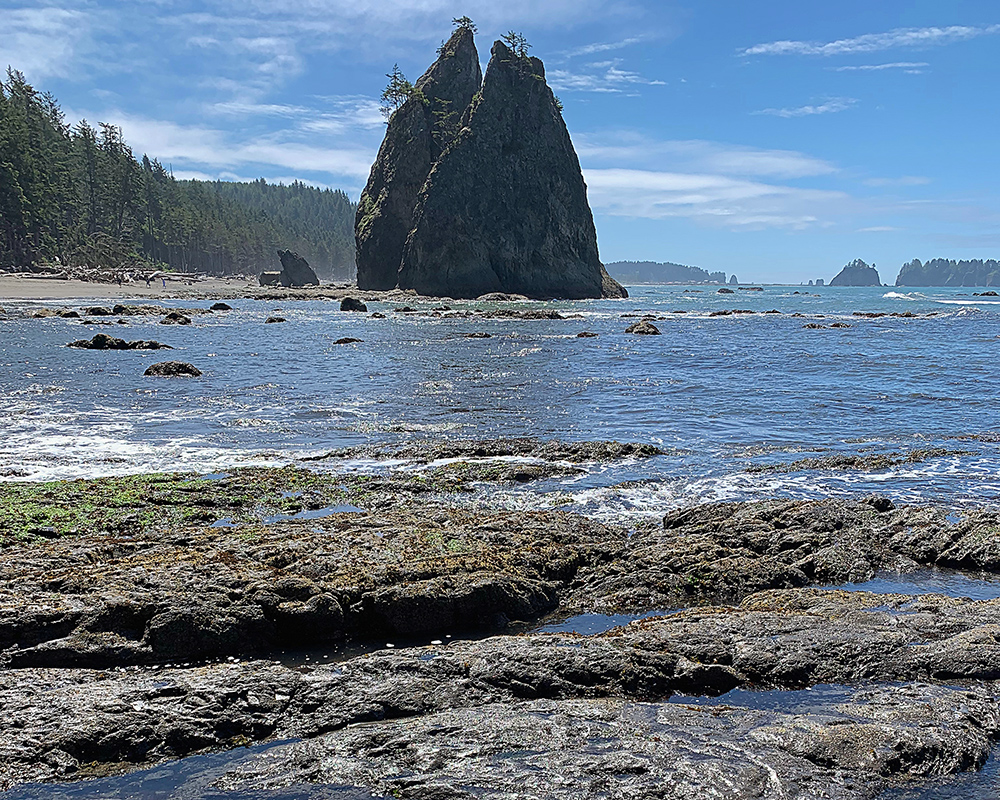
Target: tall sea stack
point(417, 133)
point(503, 207)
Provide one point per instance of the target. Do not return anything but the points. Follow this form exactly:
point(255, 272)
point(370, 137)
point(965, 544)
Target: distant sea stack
point(857, 273)
point(945, 272)
point(493, 201)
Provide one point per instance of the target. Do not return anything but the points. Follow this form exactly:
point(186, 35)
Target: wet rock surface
point(172, 369)
point(182, 572)
point(102, 341)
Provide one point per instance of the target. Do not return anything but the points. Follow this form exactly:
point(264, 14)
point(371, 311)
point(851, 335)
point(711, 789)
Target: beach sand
point(17, 288)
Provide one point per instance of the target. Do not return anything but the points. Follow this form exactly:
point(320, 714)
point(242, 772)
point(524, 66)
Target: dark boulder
point(643, 328)
point(272, 320)
point(724, 290)
point(416, 135)
point(348, 340)
point(586, 335)
point(505, 208)
point(221, 307)
point(295, 271)
point(98, 311)
point(175, 318)
point(478, 335)
point(172, 369)
point(270, 279)
point(102, 341)
point(352, 304)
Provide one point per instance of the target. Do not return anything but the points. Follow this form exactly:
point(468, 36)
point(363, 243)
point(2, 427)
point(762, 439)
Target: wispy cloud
point(831, 106)
point(910, 67)
point(873, 42)
point(212, 152)
point(628, 148)
point(879, 229)
point(904, 180)
point(601, 47)
point(599, 76)
point(46, 42)
point(711, 199)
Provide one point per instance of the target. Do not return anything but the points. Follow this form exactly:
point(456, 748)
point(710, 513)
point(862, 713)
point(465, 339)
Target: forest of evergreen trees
point(75, 195)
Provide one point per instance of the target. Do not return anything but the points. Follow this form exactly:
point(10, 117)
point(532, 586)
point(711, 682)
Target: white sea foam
point(904, 296)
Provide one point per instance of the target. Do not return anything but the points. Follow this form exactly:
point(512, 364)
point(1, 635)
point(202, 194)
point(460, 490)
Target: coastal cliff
point(493, 202)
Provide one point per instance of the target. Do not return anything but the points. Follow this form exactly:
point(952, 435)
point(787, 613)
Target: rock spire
point(417, 133)
point(501, 205)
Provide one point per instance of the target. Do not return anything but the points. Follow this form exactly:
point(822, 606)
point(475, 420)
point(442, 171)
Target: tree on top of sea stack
point(503, 207)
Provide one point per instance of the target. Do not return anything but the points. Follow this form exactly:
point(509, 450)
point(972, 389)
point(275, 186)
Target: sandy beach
point(18, 288)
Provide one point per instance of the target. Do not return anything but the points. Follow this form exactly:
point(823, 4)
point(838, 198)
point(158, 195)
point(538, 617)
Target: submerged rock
point(172, 369)
point(417, 134)
point(295, 271)
point(272, 320)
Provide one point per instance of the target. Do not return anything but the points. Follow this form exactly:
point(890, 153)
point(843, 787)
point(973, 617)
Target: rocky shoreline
point(128, 606)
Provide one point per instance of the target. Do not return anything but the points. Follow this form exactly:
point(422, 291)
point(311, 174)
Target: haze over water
point(720, 394)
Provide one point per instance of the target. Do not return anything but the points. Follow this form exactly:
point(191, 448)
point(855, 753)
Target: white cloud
point(45, 42)
point(601, 47)
point(872, 42)
point(195, 149)
point(905, 180)
point(831, 106)
point(627, 148)
point(711, 199)
point(601, 76)
point(909, 67)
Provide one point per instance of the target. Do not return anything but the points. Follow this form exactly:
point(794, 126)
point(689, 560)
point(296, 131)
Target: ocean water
point(721, 394)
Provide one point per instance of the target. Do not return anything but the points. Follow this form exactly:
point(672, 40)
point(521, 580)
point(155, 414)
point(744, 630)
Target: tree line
point(75, 195)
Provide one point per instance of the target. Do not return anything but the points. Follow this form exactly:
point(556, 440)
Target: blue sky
point(777, 140)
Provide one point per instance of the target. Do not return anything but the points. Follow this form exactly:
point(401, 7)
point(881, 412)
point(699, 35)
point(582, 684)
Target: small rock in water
point(378, 315)
point(175, 318)
point(586, 335)
point(221, 307)
point(724, 290)
point(347, 340)
point(352, 304)
point(172, 369)
point(478, 335)
point(814, 326)
point(98, 311)
point(272, 320)
point(643, 328)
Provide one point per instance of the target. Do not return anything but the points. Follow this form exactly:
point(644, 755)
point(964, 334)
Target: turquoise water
point(720, 394)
